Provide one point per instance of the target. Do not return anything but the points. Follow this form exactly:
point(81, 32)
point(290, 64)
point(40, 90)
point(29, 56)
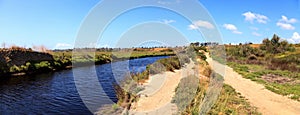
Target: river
point(56, 93)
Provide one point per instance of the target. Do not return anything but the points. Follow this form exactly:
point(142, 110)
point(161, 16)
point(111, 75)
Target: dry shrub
point(40, 48)
point(283, 64)
point(17, 48)
point(204, 68)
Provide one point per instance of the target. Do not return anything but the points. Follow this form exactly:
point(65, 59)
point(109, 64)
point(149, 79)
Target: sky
point(56, 23)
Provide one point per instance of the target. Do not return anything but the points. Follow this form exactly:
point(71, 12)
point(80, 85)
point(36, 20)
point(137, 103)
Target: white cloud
point(237, 32)
point(232, 28)
point(168, 21)
point(256, 34)
point(285, 23)
point(251, 17)
point(286, 20)
point(62, 46)
point(285, 26)
point(193, 27)
point(295, 38)
point(201, 23)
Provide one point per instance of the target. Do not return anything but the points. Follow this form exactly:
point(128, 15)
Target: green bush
point(14, 69)
point(155, 68)
point(185, 92)
point(171, 63)
point(276, 45)
point(43, 65)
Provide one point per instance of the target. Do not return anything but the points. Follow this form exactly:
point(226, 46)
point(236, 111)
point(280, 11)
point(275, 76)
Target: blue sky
point(55, 23)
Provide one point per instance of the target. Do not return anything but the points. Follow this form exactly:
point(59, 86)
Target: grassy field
point(126, 53)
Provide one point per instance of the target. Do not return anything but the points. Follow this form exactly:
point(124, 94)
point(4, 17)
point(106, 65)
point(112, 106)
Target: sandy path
point(159, 91)
point(267, 102)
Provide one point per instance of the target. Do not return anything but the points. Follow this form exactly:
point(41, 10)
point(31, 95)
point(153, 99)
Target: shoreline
point(79, 64)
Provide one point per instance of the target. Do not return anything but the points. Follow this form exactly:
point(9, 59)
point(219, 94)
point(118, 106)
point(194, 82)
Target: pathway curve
point(158, 93)
point(268, 103)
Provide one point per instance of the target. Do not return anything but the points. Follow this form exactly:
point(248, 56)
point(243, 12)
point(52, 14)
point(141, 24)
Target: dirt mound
point(20, 57)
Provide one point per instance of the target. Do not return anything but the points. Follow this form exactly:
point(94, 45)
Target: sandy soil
point(158, 93)
point(268, 103)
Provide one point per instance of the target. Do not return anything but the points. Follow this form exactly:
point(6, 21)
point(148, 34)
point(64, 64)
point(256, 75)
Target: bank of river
point(55, 93)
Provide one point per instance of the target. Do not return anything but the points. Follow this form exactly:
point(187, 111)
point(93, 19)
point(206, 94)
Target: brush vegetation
point(191, 91)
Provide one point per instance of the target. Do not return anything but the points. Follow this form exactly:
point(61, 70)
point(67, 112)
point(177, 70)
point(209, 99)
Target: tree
point(275, 45)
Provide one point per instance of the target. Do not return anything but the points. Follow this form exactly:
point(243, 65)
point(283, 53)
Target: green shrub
point(14, 69)
point(276, 45)
point(155, 68)
point(185, 92)
point(170, 64)
point(42, 65)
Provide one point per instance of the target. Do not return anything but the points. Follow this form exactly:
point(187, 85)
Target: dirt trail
point(159, 91)
point(268, 103)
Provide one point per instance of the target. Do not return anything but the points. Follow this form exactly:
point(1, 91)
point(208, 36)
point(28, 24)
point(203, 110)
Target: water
point(56, 93)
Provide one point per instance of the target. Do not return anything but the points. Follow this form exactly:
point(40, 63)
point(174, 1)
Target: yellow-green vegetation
point(167, 64)
point(231, 102)
point(98, 56)
point(142, 53)
point(274, 63)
